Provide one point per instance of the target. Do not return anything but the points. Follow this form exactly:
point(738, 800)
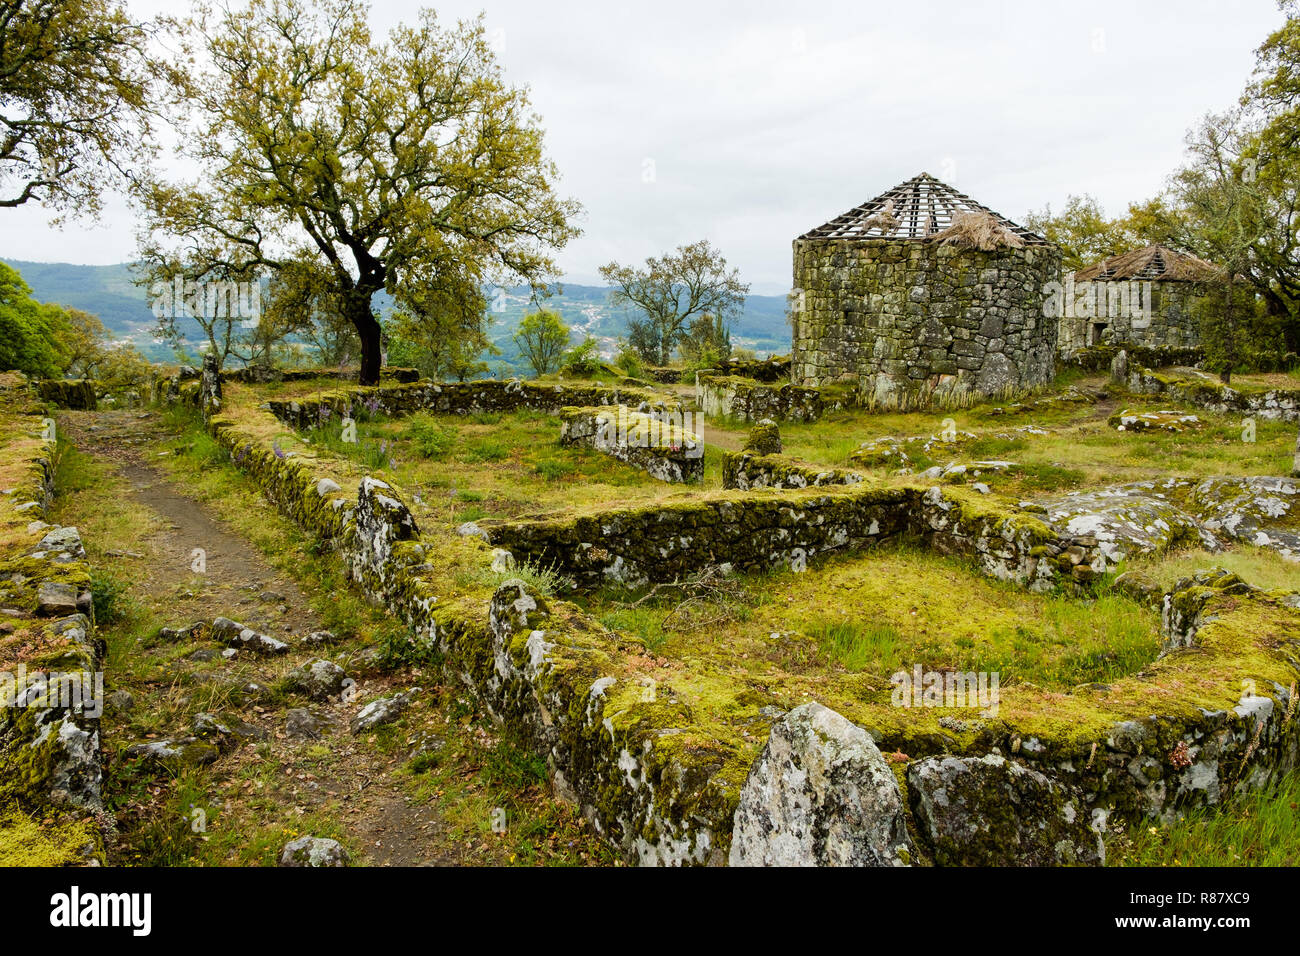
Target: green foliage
point(107, 592)
point(77, 80)
point(542, 337)
point(708, 342)
point(429, 438)
point(371, 164)
point(583, 360)
point(857, 646)
point(31, 334)
point(629, 361)
point(1255, 829)
point(672, 290)
point(1082, 231)
point(552, 469)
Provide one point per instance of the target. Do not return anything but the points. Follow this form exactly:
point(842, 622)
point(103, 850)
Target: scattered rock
point(183, 751)
point(119, 702)
point(317, 639)
point(206, 727)
point(1163, 420)
point(246, 731)
point(319, 679)
point(233, 634)
point(301, 722)
point(327, 486)
point(187, 632)
point(382, 711)
point(313, 851)
point(988, 811)
point(820, 794)
point(470, 529)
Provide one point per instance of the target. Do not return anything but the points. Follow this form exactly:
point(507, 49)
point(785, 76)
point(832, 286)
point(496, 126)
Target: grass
point(899, 606)
point(1261, 567)
point(1257, 829)
point(490, 465)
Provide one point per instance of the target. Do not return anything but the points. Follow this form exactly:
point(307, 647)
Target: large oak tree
point(77, 94)
point(406, 164)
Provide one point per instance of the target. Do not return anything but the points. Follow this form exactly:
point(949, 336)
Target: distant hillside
point(123, 307)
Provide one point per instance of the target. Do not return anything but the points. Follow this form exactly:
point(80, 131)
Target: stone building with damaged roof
point(1148, 297)
point(919, 293)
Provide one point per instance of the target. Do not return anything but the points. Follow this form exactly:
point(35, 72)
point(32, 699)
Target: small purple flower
point(279, 452)
point(373, 404)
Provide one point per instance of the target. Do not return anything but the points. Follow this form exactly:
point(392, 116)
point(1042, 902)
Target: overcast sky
point(750, 123)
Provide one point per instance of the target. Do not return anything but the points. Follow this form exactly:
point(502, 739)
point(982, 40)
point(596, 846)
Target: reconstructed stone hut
point(919, 292)
point(1145, 297)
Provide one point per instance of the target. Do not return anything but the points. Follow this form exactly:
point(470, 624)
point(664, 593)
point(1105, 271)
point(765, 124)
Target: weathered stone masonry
point(907, 317)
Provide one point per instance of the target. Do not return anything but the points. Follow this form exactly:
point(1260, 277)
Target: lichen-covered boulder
point(1164, 420)
point(1143, 517)
point(1261, 511)
point(313, 851)
point(764, 438)
point(988, 811)
point(382, 520)
point(175, 752)
point(1119, 368)
point(820, 794)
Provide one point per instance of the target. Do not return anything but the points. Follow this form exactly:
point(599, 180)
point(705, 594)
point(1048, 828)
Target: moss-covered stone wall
point(51, 698)
point(763, 529)
point(909, 318)
point(1279, 404)
point(661, 778)
point(461, 398)
point(664, 449)
point(746, 470)
point(730, 396)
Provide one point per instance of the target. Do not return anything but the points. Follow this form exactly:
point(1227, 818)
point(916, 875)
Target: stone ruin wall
point(1171, 324)
point(907, 317)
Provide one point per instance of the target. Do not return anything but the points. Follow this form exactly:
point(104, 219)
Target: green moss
point(26, 842)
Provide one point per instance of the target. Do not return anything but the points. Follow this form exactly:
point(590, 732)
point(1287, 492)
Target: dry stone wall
point(730, 396)
point(462, 398)
point(764, 529)
point(674, 795)
point(663, 449)
point(1280, 404)
point(50, 700)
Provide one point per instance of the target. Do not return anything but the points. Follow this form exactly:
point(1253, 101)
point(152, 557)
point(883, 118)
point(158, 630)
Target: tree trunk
point(363, 320)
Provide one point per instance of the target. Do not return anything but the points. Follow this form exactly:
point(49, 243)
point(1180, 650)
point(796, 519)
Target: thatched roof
point(1151, 262)
point(921, 208)
point(977, 230)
